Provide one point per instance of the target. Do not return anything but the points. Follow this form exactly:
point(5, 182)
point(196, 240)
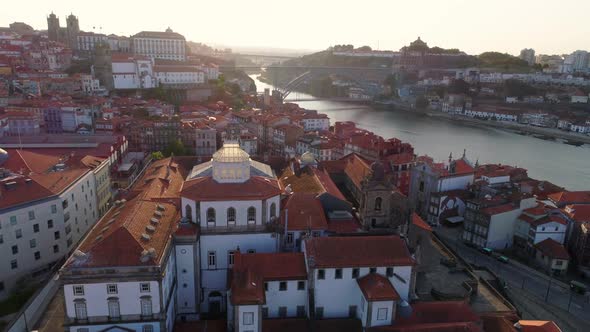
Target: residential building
point(552, 256)
point(528, 55)
point(535, 225)
point(87, 41)
point(132, 72)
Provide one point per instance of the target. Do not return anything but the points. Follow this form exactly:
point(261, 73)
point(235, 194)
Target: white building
point(160, 45)
point(314, 121)
point(45, 213)
point(87, 41)
point(179, 75)
point(133, 72)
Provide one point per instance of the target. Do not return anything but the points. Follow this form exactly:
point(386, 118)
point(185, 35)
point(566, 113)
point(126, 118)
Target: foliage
point(519, 89)
point(364, 49)
point(79, 66)
point(157, 155)
point(16, 300)
point(422, 102)
point(175, 148)
point(502, 60)
point(459, 86)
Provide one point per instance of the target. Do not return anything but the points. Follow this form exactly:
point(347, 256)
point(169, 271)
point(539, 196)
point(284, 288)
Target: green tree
point(157, 155)
point(422, 102)
point(459, 86)
point(175, 148)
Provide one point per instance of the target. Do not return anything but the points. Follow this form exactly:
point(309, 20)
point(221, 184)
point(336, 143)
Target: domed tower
point(73, 29)
point(53, 27)
point(231, 164)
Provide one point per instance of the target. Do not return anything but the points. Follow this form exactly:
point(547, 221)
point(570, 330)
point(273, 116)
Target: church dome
point(231, 153)
point(307, 158)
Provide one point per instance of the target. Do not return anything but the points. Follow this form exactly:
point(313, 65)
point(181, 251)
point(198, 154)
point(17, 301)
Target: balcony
point(90, 320)
point(252, 228)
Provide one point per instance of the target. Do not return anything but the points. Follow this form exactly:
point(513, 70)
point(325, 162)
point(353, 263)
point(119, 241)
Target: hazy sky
point(471, 25)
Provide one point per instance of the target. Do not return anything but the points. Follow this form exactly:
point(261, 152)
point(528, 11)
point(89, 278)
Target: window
point(13, 264)
point(37, 255)
point(1, 239)
point(251, 215)
point(266, 286)
point(273, 210)
point(251, 251)
point(300, 311)
point(230, 258)
point(144, 287)
point(351, 311)
point(319, 312)
point(382, 314)
point(290, 238)
point(55, 248)
point(78, 290)
point(558, 263)
point(265, 312)
point(14, 250)
point(421, 186)
point(378, 202)
point(338, 274)
point(53, 208)
point(248, 318)
point(188, 212)
point(13, 220)
point(211, 261)
point(282, 312)
point(389, 272)
point(80, 308)
point(114, 308)
point(56, 235)
point(18, 233)
point(231, 216)
point(283, 286)
point(36, 228)
point(112, 289)
point(321, 274)
point(147, 328)
point(373, 270)
point(31, 215)
point(210, 217)
point(33, 243)
point(355, 273)
point(301, 285)
point(146, 306)
point(50, 223)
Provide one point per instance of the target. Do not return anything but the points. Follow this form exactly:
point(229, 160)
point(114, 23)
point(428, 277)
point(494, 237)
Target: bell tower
point(53, 27)
point(73, 29)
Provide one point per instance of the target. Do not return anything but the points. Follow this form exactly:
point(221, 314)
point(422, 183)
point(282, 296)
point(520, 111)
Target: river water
point(564, 165)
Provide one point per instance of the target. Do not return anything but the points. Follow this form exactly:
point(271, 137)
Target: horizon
point(447, 25)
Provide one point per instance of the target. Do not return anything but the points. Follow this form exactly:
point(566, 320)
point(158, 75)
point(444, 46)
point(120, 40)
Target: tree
point(459, 86)
point(157, 155)
point(422, 102)
point(175, 148)
point(516, 88)
point(364, 49)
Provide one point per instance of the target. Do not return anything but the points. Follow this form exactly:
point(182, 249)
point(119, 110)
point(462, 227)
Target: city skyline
point(446, 24)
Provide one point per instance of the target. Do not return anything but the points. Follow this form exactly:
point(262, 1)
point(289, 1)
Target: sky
point(474, 26)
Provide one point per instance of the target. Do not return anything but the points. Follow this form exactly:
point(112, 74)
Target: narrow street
point(519, 276)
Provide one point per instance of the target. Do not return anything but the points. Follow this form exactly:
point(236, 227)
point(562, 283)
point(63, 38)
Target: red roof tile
point(359, 251)
point(538, 326)
point(498, 209)
point(577, 212)
point(552, 248)
point(419, 222)
point(305, 325)
point(304, 212)
point(570, 197)
point(437, 316)
point(207, 189)
point(376, 287)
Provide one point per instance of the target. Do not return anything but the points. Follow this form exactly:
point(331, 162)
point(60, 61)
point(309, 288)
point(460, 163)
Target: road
point(515, 274)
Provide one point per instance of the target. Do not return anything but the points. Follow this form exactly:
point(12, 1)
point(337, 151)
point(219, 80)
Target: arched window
point(188, 212)
point(114, 308)
point(231, 216)
point(378, 202)
point(273, 210)
point(251, 215)
point(210, 217)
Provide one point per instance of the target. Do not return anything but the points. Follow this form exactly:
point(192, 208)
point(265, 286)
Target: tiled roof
point(437, 316)
point(548, 219)
point(376, 287)
point(207, 189)
point(250, 271)
point(569, 197)
point(552, 248)
point(538, 326)
point(205, 325)
point(357, 170)
point(578, 212)
point(310, 180)
point(304, 212)
point(357, 251)
point(159, 35)
point(498, 209)
point(305, 325)
point(419, 222)
point(462, 167)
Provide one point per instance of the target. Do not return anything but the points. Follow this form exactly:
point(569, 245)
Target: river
point(564, 165)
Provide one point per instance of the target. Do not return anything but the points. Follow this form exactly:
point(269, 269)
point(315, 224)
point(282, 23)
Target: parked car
point(503, 259)
point(487, 251)
point(578, 287)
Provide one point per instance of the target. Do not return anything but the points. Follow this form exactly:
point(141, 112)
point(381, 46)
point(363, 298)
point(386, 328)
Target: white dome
point(307, 158)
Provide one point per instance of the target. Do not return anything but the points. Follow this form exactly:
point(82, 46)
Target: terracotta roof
point(310, 180)
point(578, 212)
point(376, 287)
point(250, 271)
point(359, 251)
point(570, 197)
point(548, 219)
point(538, 326)
point(419, 222)
point(400, 158)
point(552, 248)
point(201, 326)
point(207, 189)
point(304, 212)
point(538, 210)
point(349, 226)
point(498, 209)
point(357, 170)
point(431, 327)
point(305, 325)
point(462, 167)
